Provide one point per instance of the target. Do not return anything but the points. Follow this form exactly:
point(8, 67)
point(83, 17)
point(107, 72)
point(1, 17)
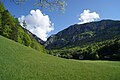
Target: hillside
point(18, 62)
point(84, 34)
point(89, 41)
point(105, 50)
point(10, 28)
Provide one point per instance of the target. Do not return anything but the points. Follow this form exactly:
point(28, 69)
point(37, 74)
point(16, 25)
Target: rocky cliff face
point(84, 34)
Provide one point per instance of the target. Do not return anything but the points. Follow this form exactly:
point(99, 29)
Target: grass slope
point(18, 62)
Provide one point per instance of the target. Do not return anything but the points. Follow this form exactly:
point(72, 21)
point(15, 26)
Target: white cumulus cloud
point(88, 16)
point(37, 23)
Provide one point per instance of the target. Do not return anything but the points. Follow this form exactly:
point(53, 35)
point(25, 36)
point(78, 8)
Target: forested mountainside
point(10, 28)
point(95, 40)
point(105, 50)
point(84, 34)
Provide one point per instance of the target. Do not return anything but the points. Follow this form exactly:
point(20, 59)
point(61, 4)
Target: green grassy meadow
point(18, 62)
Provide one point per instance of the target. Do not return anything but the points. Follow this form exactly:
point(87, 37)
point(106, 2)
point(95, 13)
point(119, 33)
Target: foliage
point(106, 50)
point(10, 28)
point(18, 62)
point(51, 4)
point(2, 8)
point(6, 31)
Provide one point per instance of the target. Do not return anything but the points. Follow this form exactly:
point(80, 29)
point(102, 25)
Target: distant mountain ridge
point(84, 34)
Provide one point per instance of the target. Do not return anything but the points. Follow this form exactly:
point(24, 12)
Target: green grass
point(18, 62)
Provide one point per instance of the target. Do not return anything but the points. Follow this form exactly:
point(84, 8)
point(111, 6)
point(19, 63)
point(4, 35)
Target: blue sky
point(107, 9)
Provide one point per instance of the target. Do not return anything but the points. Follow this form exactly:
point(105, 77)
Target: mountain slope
point(84, 34)
point(10, 28)
point(18, 62)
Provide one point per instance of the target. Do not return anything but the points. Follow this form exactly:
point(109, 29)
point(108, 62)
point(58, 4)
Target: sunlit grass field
point(18, 62)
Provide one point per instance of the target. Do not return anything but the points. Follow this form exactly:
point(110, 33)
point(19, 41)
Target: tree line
point(106, 50)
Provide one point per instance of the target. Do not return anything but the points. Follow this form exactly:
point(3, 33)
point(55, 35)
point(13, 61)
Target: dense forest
point(106, 50)
point(10, 28)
